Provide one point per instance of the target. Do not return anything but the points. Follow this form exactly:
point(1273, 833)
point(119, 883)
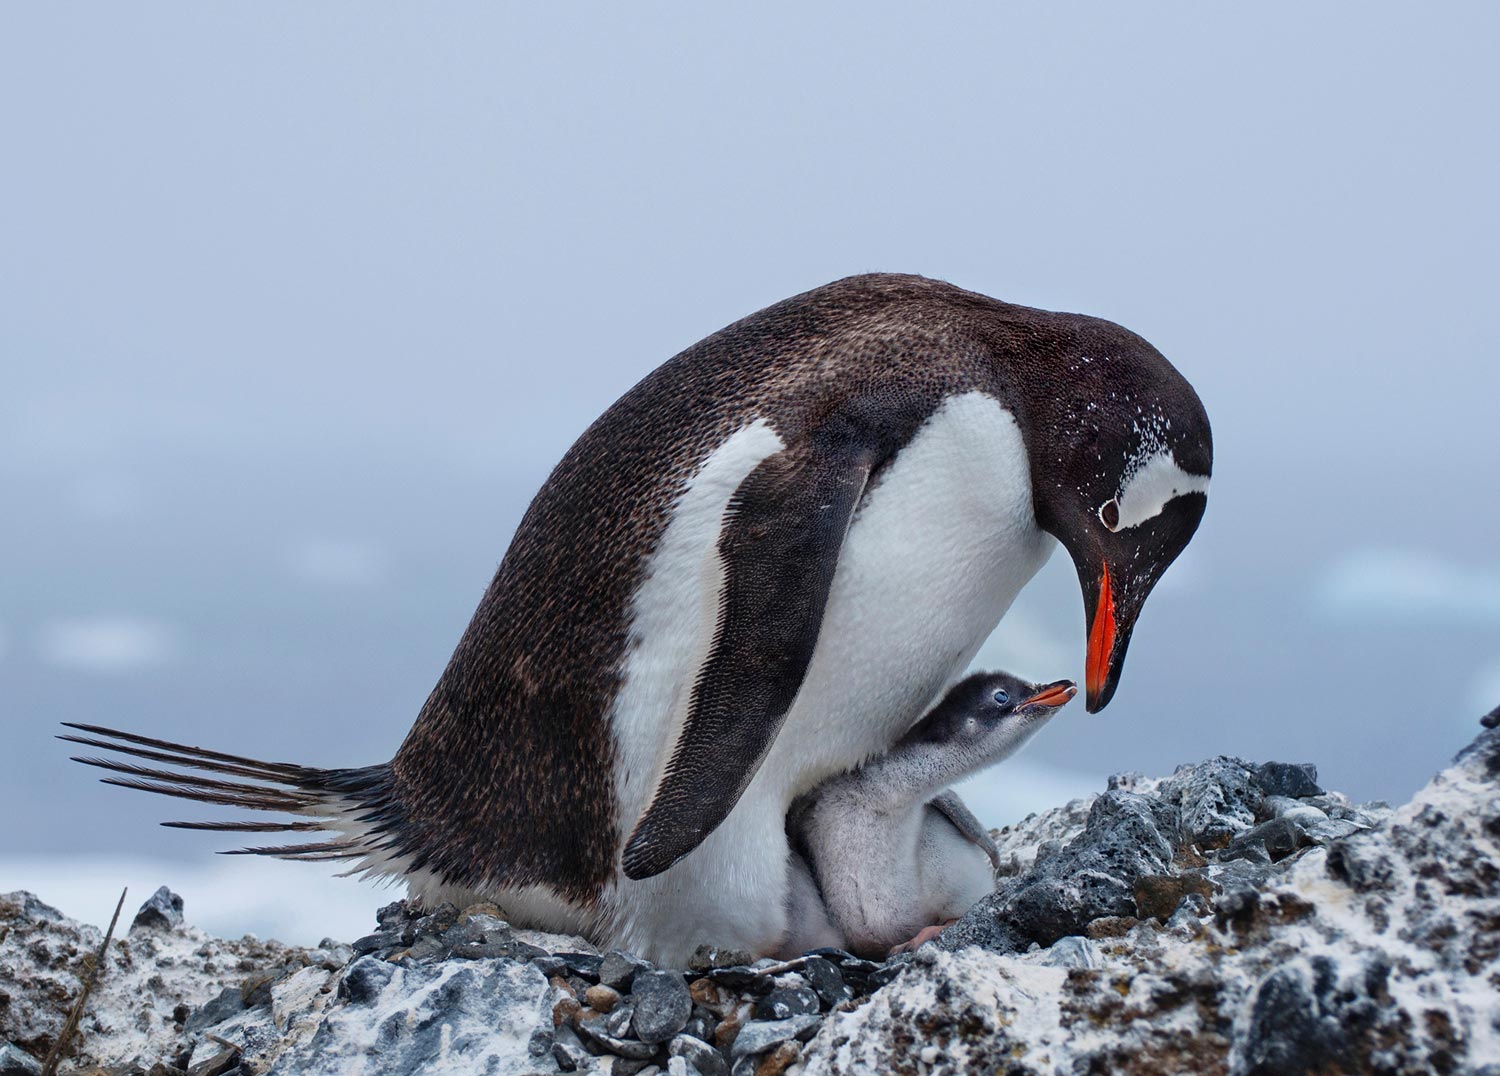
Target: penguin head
point(1120, 470)
point(990, 716)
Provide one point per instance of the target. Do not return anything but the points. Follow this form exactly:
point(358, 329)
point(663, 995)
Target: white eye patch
point(1157, 480)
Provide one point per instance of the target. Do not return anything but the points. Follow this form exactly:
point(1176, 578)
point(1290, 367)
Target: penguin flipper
point(957, 812)
point(779, 545)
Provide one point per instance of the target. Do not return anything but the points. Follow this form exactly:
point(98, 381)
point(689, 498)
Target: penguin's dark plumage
point(703, 558)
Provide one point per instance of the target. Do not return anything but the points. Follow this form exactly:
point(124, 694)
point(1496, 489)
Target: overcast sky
point(300, 303)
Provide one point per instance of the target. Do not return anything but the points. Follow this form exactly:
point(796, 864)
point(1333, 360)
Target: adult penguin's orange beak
point(1111, 621)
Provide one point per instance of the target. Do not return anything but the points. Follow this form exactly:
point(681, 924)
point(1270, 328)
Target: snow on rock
point(1227, 919)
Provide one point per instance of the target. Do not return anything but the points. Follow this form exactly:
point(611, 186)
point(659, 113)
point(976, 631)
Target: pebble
point(827, 980)
point(662, 1005)
point(787, 1001)
point(778, 1060)
point(601, 998)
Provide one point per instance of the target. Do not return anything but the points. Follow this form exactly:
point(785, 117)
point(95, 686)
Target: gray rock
point(429, 1020)
point(708, 957)
point(365, 980)
point(618, 969)
point(827, 980)
point(758, 1036)
point(163, 911)
point(1074, 952)
point(1288, 779)
point(787, 1001)
point(568, 1051)
point(662, 1005)
point(373, 943)
point(15, 1061)
point(1127, 837)
point(1277, 839)
point(598, 1033)
point(229, 1003)
point(1217, 799)
point(699, 1054)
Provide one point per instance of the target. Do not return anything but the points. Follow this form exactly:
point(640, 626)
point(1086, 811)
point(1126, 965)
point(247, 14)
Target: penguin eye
point(1002, 696)
point(1109, 514)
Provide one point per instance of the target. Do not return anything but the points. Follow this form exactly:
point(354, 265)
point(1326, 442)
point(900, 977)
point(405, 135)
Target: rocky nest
point(1230, 918)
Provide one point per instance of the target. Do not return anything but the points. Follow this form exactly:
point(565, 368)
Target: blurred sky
point(300, 303)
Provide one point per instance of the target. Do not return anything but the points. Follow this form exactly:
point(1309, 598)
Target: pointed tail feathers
point(356, 804)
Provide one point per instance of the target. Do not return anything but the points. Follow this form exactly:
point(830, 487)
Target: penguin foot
point(922, 937)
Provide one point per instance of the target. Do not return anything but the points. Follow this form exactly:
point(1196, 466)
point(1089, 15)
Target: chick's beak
point(1052, 695)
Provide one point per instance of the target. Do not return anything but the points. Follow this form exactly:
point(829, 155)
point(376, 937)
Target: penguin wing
point(779, 544)
point(963, 820)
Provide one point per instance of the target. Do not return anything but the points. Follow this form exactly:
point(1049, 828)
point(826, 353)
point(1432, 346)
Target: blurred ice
point(1400, 585)
point(107, 644)
point(297, 903)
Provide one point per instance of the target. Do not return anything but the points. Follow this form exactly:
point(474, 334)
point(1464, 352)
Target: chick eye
point(1002, 696)
point(1109, 514)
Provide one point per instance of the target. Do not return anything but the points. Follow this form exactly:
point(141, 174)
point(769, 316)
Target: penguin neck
point(913, 774)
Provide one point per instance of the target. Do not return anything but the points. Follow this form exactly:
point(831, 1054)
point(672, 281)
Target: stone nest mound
point(1227, 919)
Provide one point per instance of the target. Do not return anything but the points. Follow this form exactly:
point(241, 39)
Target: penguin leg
point(779, 544)
point(921, 938)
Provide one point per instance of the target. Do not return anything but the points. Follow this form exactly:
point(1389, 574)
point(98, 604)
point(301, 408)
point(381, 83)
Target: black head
point(1121, 454)
point(978, 705)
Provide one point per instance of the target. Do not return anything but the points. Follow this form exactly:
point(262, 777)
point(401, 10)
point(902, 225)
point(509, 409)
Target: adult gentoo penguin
point(885, 856)
point(754, 571)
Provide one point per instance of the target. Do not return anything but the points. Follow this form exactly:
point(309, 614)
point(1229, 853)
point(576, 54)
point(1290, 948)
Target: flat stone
point(595, 1031)
point(758, 1036)
point(583, 965)
point(742, 979)
point(1279, 838)
point(662, 1005)
point(1295, 779)
point(707, 957)
point(162, 911)
point(371, 943)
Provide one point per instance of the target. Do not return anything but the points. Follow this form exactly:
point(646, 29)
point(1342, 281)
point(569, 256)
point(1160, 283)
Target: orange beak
point(1053, 695)
point(1101, 639)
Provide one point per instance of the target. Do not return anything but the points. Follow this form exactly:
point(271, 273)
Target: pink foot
point(922, 937)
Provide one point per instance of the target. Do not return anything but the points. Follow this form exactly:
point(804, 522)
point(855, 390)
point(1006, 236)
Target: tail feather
point(356, 804)
point(183, 758)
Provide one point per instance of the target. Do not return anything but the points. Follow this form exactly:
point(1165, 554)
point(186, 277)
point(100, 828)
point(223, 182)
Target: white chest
point(941, 545)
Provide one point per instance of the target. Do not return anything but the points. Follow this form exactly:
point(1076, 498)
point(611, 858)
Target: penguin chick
point(888, 854)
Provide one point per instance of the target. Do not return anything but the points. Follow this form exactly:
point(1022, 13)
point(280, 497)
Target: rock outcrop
point(1230, 918)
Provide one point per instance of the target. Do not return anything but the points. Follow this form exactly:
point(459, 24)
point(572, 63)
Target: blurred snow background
point(299, 305)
